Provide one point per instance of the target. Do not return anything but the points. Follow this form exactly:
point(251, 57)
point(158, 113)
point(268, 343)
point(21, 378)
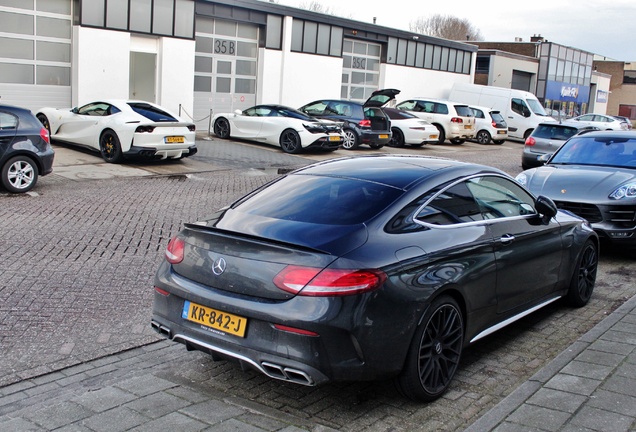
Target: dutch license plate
point(175, 139)
point(335, 138)
point(501, 132)
point(213, 318)
point(384, 136)
point(434, 136)
point(468, 126)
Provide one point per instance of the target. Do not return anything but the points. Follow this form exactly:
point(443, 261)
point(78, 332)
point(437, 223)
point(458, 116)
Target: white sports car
point(408, 129)
point(121, 129)
point(279, 125)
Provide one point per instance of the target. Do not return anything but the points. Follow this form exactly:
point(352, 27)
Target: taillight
point(144, 129)
point(163, 292)
point(289, 329)
point(493, 124)
point(530, 141)
point(174, 251)
point(192, 128)
point(457, 120)
point(44, 134)
point(314, 282)
point(364, 123)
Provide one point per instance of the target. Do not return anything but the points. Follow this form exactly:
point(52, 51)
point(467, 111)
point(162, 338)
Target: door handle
point(507, 239)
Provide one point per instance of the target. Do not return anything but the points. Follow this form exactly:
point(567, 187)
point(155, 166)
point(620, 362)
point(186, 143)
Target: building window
point(274, 35)
point(629, 77)
point(161, 17)
point(313, 38)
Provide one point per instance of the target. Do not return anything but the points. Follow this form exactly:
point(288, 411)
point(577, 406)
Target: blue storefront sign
point(567, 92)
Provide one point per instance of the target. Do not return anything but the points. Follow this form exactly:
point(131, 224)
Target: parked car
point(626, 121)
point(489, 126)
point(25, 149)
point(408, 129)
point(593, 176)
point(280, 125)
point(455, 121)
point(362, 123)
point(366, 268)
point(546, 138)
point(121, 130)
point(601, 121)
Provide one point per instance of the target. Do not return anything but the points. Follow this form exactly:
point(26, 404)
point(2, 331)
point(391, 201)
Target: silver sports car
point(121, 129)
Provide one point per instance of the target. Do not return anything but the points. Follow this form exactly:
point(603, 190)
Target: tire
point(45, 122)
point(290, 141)
point(483, 137)
point(584, 276)
point(376, 146)
point(351, 141)
point(435, 352)
point(498, 141)
point(222, 128)
point(19, 174)
point(109, 147)
point(457, 141)
point(442, 134)
point(397, 139)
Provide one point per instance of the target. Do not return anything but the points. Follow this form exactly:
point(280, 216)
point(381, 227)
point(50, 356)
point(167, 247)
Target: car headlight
point(626, 191)
point(522, 179)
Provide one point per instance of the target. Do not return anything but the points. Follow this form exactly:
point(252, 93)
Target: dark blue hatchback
point(25, 149)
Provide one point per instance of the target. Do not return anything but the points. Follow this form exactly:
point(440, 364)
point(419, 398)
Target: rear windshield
point(464, 111)
point(497, 117)
point(556, 132)
point(320, 200)
point(152, 113)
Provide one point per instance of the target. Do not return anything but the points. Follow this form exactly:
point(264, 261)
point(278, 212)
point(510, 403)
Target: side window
point(8, 121)
point(408, 105)
point(317, 108)
point(441, 109)
point(454, 205)
point(499, 197)
point(520, 107)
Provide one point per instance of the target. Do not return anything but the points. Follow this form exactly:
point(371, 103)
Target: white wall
point(501, 68)
point(602, 82)
point(175, 68)
point(308, 77)
point(415, 82)
point(269, 82)
point(100, 68)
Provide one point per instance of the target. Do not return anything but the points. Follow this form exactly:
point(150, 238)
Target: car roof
point(438, 100)
point(14, 109)
point(398, 171)
point(608, 134)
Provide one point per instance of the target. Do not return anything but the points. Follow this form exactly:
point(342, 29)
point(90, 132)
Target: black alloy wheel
point(290, 141)
point(19, 174)
point(350, 139)
point(397, 139)
point(222, 128)
point(434, 353)
point(483, 137)
point(45, 122)
point(109, 147)
point(584, 277)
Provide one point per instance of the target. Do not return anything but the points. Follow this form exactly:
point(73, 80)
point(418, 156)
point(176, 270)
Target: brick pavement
point(78, 260)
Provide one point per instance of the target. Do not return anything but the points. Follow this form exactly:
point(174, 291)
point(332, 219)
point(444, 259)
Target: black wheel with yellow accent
point(109, 147)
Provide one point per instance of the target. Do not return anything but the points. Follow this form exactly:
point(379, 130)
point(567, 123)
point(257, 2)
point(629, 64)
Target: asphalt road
point(78, 255)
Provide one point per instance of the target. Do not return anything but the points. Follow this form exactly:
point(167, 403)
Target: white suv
point(455, 121)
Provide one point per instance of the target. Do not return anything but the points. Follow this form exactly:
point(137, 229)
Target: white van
point(521, 110)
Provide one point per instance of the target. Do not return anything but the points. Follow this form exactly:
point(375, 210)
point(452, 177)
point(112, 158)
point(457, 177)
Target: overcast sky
point(601, 27)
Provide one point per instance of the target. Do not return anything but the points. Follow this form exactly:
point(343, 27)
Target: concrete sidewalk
point(590, 387)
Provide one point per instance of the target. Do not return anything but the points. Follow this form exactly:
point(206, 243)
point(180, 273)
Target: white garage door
point(225, 68)
point(361, 69)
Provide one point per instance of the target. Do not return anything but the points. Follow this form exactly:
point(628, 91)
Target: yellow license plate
point(434, 136)
point(213, 318)
point(501, 132)
point(175, 139)
point(468, 126)
point(383, 136)
point(335, 138)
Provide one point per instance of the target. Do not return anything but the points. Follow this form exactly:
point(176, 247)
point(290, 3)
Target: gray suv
point(546, 138)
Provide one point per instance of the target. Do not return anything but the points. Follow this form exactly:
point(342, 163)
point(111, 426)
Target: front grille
point(618, 216)
point(587, 211)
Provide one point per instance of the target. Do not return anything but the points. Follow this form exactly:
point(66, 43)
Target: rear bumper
point(153, 153)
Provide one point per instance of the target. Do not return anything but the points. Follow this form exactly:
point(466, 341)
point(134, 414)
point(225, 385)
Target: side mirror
point(546, 208)
point(238, 112)
point(544, 158)
point(75, 110)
